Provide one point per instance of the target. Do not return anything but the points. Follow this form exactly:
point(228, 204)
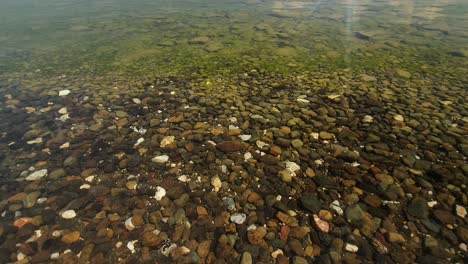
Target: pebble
point(238, 218)
point(461, 211)
point(129, 224)
point(69, 214)
point(160, 193)
point(351, 248)
point(245, 137)
point(246, 258)
point(55, 256)
point(85, 186)
point(216, 183)
point(322, 225)
point(167, 141)
point(64, 92)
point(22, 221)
point(37, 175)
point(160, 159)
point(399, 118)
point(71, 237)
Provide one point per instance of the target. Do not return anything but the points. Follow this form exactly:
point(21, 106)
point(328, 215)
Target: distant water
point(138, 37)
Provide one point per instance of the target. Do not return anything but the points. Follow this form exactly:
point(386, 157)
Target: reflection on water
point(256, 131)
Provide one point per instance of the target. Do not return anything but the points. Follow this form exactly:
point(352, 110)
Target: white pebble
point(160, 193)
point(129, 225)
point(85, 186)
point(65, 145)
point(55, 255)
point(292, 166)
point(35, 141)
point(89, 178)
point(368, 119)
point(136, 101)
point(261, 144)
point(41, 200)
point(216, 183)
point(238, 218)
point(277, 252)
point(64, 92)
point(118, 244)
point(247, 156)
point(245, 137)
point(431, 203)
point(461, 211)
point(37, 175)
point(315, 135)
point(139, 141)
point(351, 247)
point(183, 178)
point(56, 233)
point(160, 159)
point(399, 118)
point(62, 110)
point(69, 214)
point(20, 256)
point(131, 245)
point(335, 205)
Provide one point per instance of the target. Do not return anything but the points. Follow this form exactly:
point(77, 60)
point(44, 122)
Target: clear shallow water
point(137, 37)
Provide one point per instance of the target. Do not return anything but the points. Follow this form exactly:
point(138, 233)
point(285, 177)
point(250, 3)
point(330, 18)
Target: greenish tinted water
point(138, 37)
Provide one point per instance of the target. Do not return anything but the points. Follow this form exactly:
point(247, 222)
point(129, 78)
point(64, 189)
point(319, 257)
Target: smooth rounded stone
point(96, 127)
point(311, 203)
point(37, 175)
point(286, 175)
point(150, 239)
point(351, 248)
point(326, 135)
point(245, 137)
point(246, 258)
point(69, 214)
point(418, 208)
point(31, 199)
point(275, 150)
point(297, 143)
point(70, 161)
point(57, 174)
point(460, 211)
point(444, 217)
point(299, 260)
point(394, 237)
point(296, 247)
point(229, 146)
point(430, 242)
point(71, 237)
point(399, 118)
point(354, 213)
point(238, 218)
point(121, 114)
point(160, 159)
point(131, 185)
